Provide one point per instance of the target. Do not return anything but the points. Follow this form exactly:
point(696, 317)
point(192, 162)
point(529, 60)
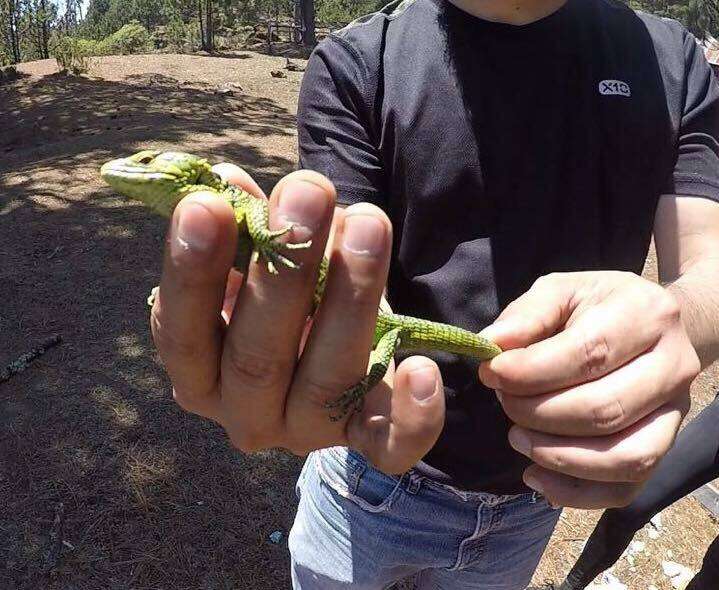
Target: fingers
point(234, 284)
point(600, 335)
point(610, 404)
point(186, 316)
point(240, 374)
point(570, 492)
point(537, 314)
point(396, 429)
point(336, 352)
point(235, 175)
point(595, 376)
point(263, 337)
point(602, 472)
point(629, 456)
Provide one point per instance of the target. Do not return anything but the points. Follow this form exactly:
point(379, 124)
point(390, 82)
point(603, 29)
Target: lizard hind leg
point(380, 358)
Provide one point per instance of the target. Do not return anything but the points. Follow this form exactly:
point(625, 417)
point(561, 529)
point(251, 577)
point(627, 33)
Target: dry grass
point(151, 498)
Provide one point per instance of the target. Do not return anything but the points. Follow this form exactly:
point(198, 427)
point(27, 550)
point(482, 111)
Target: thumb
point(538, 314)
point(398, 435)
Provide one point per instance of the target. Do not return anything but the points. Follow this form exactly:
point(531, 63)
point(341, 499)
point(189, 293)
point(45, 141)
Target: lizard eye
point(146, 160)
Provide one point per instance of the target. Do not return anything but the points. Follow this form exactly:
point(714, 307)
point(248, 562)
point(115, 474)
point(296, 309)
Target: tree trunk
point(44, 30)
point(210, 26)
point(36, 20)
point(307, 9)
point(12, 30)
point(297, 33)
point(202, 26)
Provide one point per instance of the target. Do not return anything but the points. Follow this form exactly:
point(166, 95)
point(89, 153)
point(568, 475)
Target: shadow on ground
point(152, 498)
point(226, 54)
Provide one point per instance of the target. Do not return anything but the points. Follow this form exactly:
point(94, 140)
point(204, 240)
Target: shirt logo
point(614, 88)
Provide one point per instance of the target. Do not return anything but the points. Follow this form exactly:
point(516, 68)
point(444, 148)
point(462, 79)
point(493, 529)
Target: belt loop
point(414, 482)
point(354, 476)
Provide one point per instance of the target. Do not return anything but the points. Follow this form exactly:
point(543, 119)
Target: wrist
point(694, 322)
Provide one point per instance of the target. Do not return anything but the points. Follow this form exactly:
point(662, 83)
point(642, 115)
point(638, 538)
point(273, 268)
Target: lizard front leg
point(264, 240)
point(252, 216)
point(379, 360)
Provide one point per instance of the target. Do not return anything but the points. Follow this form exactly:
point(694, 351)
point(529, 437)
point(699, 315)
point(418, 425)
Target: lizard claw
point(273, 234)
point(300, 246)
point(273, 258)
point(267, 246)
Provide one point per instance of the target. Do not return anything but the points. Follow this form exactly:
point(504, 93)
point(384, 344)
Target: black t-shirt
point(503, 153)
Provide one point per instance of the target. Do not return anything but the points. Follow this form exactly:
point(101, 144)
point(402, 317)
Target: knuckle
point(668, 307)
point(552, 459)
point(684, 370)
point(639, 468)
point(168, 343)
point(625, 276)
point(608, 415)
point(692, 367)
point(546, 281)
point(256, 370)
point(594, 355)
point(539, 324)
point(320, 391)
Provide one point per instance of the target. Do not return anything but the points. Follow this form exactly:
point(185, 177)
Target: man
point(512, 159)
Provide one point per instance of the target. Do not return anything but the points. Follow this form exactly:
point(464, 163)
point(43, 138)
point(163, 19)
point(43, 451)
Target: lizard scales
point(161, 180)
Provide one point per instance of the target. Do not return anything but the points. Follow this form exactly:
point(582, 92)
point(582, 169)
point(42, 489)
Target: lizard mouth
point(124, 170)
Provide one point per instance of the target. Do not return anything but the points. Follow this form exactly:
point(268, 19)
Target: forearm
point(697, 291)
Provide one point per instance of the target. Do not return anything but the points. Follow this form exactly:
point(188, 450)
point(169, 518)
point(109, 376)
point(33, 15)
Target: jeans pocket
point(348, 474)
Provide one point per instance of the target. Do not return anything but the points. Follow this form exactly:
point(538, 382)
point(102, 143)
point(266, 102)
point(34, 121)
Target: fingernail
point(302, 204)
point(520, 442)
point(503, 331)
point(487, 376)
point(532, 482)
point(196, 230)
point(364, 235)
point(422, 383)
point(493, 330)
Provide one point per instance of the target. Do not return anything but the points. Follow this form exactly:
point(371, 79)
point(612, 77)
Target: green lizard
point(161, 179)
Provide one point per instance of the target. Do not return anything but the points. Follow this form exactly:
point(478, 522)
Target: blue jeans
point(359, 528)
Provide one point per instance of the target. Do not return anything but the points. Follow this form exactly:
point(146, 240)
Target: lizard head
point(160, 179)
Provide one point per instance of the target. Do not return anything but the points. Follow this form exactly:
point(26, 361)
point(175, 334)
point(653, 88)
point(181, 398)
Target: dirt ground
point(104, 482)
